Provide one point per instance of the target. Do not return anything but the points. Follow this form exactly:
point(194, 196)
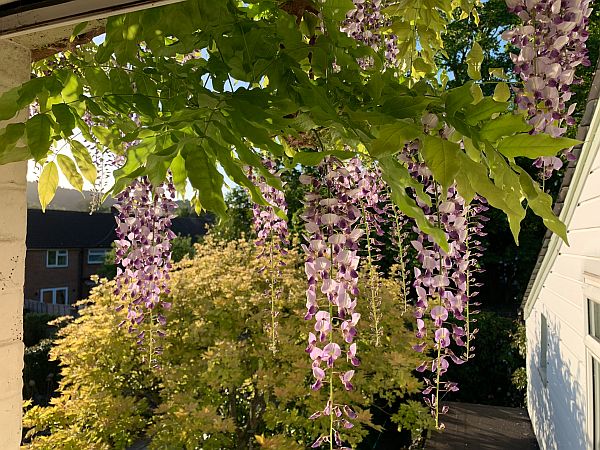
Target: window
point(592, 348)
point(543, 368)
point(596, 401)
point(594, 319)
point(56, 296)
point(57, 258)
point(96, 256)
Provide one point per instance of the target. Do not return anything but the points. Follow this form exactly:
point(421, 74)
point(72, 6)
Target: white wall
point(559, 410)
point(14, 70)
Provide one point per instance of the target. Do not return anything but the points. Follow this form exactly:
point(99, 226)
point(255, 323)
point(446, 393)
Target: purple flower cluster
point(106, 162)
point(475, 224)
point(551, 40)
point(440, 284)
point(399, 238)
point(365, 23)
point(143, 249)
point(272, 236)
point(374, 204)
point(333, 233)
point(443, 279)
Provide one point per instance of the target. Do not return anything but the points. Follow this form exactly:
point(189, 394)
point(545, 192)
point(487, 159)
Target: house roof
point(74, 229)
point(546, 252)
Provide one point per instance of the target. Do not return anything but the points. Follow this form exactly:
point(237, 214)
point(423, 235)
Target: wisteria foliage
point(348, 206)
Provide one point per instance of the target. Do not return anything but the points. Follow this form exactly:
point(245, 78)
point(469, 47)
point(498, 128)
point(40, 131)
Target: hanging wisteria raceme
point(474, 250)
point(552, 45)
point(374, 205)
point(366, 23)
point(272, 236)
point(440, 284)
point(443, 279)
point(399, 238)
point(143, 253)
point(332, 236)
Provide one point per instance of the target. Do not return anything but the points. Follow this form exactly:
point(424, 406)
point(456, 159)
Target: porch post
point(15, 68)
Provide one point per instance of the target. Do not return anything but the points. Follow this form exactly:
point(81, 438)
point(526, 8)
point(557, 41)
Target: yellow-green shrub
point(218, 386)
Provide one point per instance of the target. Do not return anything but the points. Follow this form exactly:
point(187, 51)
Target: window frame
point(59, 252)
point(96, 250)
point(543, 349)
point(54, 292)
point(591, 293)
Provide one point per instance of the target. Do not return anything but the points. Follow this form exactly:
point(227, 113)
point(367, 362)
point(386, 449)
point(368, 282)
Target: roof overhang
point(20, 17)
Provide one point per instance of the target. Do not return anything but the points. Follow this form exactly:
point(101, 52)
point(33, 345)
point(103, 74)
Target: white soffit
point(20, 17)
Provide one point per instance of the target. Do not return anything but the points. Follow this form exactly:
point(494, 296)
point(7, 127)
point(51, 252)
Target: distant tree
point(181, 247)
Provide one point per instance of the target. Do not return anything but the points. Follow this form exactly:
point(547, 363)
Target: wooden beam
point(20, 18)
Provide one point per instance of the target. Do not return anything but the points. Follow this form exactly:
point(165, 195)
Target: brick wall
point(38, 276)
point(73, 277)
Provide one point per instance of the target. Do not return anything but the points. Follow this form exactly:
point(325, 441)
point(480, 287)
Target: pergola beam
point(18, 18)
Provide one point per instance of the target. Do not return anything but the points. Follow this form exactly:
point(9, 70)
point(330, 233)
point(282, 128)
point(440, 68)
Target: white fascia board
point(69, 13)
point(582, 171)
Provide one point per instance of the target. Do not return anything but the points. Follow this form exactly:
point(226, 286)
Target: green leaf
point(47, 184)
point(399, 173)
point(502, 92)
point(458, 98)
point(78, 30)
point(474, 61)
point(483, 110)
point(144, 105)
point(409, 207)
point(541, 204)
point(405, 106)
point(14, 154)
point(9, 104)
point(391, 138)
point(205, 178)
point(534, 145)
point(505, 125)
point(314, 158)
point(158, 163)
point(97, 80)
point(336, 10)
point(179, 173)
point(442, 159)
point(69, 170)
point(38, 130)
point(64, 117)
point(497, 72)
point(84, 161)
point(72, 89)
point(507, 181)
point(10, 136)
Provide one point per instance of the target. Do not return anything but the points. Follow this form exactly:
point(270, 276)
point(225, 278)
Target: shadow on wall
point(558, 406)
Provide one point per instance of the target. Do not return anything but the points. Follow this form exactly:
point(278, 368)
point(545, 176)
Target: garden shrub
point(36, 328)
point(40, 375)
point(218, 385)
point(487, 378)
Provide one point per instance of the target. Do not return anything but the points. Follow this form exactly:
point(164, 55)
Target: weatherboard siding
point(559, 409)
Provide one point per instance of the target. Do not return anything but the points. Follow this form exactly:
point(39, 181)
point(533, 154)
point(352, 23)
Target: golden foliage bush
point(218, 386)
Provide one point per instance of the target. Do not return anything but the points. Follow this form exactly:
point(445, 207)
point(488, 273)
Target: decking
point(484, 427)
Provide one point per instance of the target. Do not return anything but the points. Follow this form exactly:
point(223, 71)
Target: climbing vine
point(200, 90)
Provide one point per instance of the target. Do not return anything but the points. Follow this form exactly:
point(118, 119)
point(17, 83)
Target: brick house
point(65, 248)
